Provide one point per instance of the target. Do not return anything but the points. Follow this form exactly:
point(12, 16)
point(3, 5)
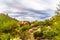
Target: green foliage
point(57, 38)
point(48, 34)
point(50, 28)
point(7, 25)
point(38, 34)
point(11, 28)
point(35, 24)
point(5, 37)
point(24, 28)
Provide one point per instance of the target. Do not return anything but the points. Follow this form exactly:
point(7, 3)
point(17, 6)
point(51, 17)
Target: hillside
point(12, 29)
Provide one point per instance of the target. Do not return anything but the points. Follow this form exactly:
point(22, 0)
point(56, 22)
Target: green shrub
point(5, 37)
point(24, 28)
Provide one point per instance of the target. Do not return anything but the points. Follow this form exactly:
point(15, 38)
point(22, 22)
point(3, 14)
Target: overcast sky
point(29, 9)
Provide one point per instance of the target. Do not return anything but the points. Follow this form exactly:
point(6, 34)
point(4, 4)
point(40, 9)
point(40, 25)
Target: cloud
point(2, 7)
point(29, 9)
point(32, 4)
point(31, 15)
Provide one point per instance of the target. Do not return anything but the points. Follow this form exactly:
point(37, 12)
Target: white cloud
point(2, 7)
point(33, 4)
point(14, 6)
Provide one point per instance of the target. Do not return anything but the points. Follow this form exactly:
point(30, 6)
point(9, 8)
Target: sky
point(29, 10)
